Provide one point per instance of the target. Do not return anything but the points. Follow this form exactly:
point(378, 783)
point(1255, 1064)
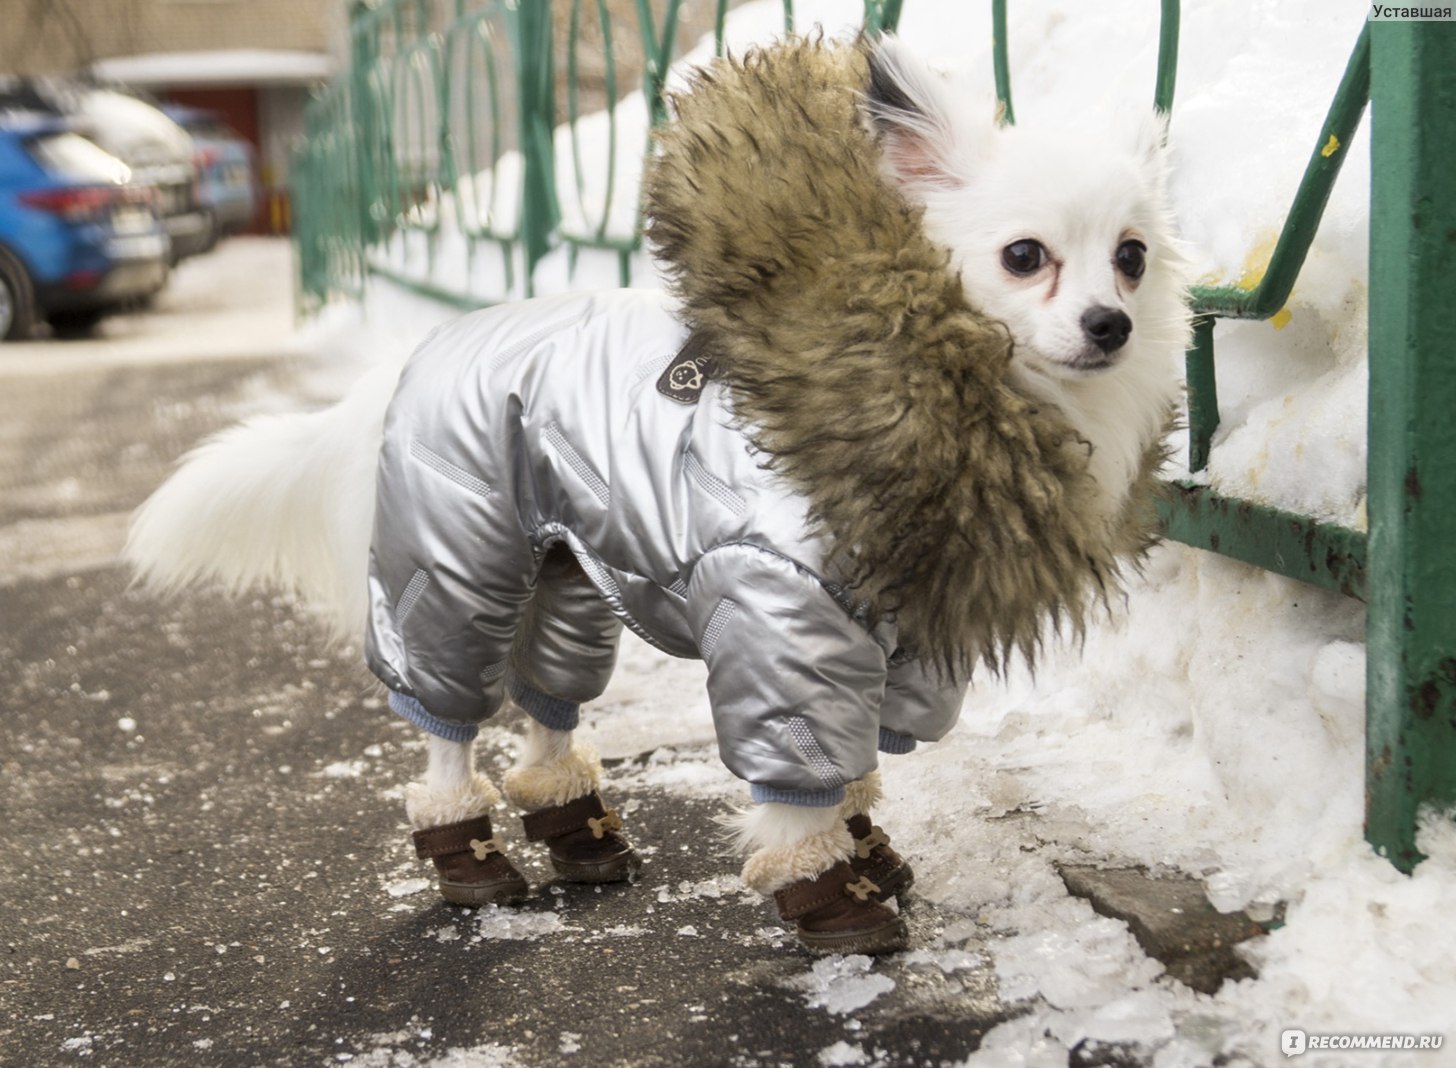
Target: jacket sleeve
point(795, 682)
point(919, 706)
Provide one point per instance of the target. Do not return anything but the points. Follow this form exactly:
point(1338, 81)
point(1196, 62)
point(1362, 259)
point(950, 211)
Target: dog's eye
point(1130, 258)
point(1023, 257)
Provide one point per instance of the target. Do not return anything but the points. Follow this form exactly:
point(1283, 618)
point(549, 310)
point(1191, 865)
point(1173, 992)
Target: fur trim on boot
point(554, 782)
point(436, 808)
point(862, 795)
point(776, 867)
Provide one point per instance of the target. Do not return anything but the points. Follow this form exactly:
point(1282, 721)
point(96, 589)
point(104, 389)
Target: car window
point(69, 155)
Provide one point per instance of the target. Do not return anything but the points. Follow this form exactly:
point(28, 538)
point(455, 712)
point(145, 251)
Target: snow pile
point(1215, 725)
point(1216, 728)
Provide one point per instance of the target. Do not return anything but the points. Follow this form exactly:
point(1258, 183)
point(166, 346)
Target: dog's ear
point(909, 107)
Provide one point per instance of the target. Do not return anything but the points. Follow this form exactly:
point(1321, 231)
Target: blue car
point(227, 172)
point(77, 236)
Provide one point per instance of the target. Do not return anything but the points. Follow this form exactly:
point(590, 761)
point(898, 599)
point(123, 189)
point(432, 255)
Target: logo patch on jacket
point(687, 374)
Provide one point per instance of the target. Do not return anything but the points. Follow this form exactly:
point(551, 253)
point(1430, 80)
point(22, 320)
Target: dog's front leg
point(555, 781)
point(808, 860)
point(449, 809)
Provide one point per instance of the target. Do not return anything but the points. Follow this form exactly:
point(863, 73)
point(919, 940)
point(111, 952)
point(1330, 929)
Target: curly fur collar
point(954, 502)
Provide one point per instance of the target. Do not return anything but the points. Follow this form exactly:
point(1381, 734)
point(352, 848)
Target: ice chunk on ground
point(842, 985)
point(494, 922)
point(842, 1054)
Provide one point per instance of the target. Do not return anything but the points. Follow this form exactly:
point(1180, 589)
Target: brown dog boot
point(584, 840)
point(840, 912)
point(473, 870)
point(874, 859)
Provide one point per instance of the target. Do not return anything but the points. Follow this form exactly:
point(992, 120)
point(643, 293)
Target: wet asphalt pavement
point(205, 860)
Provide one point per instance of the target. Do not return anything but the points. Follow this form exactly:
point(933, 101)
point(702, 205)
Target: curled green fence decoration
point(449, 107)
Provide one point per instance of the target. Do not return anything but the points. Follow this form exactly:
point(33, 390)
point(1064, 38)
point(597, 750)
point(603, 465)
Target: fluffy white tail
point(279, 502)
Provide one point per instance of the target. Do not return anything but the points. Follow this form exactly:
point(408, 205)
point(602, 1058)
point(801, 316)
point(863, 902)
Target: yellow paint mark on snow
point(1256, 263)
point(1256, 266)
point(1331, 147)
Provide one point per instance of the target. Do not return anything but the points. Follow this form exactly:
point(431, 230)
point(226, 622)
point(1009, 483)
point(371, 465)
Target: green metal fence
point(449, 114)
point(450, 111)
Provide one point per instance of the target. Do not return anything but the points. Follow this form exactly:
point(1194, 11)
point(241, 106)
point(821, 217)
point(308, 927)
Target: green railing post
point(535, 70)
point(881, 16)
point(1202, 393)
point(1001, 63)
point(364, 53)
point(1411, 627)
point(657, 48)
point(1170, 19)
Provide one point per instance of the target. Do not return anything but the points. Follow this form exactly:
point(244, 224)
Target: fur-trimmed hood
point(953, 501)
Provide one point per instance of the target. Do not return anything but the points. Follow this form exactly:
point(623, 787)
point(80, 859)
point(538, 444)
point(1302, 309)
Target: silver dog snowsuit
point(578, 424)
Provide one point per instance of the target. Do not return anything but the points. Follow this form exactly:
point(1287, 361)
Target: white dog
point(819, 465)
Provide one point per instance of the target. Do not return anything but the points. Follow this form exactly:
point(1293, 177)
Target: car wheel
point(214, 232)
point(17, 299)
point(77, 322)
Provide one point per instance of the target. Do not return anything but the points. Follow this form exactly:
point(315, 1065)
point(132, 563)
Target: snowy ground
point(1215, 725)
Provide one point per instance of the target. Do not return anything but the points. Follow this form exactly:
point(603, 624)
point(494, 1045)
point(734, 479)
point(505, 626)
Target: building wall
point(62, 36)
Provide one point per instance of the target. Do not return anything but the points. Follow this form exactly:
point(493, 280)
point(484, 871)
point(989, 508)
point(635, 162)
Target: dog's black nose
point(1107, 328)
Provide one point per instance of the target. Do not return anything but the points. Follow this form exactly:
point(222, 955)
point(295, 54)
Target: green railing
point(449, 111)
point(446, 128)
point(1320, 553)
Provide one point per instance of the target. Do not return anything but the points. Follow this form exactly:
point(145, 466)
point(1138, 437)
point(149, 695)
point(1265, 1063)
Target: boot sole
point(474, 895)
point(887, 938)
point(618, 869)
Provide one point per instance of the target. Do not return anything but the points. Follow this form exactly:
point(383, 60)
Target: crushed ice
point(842, 985)
point(494, 922)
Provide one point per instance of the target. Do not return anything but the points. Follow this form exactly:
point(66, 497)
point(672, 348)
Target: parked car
point(159, 152)
point(78, 235)
point(227, 183)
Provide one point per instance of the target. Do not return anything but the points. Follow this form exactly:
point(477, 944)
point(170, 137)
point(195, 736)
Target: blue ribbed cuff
point(895, 744)
point(551, 712)
point(808, 798)
point(406, 706)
